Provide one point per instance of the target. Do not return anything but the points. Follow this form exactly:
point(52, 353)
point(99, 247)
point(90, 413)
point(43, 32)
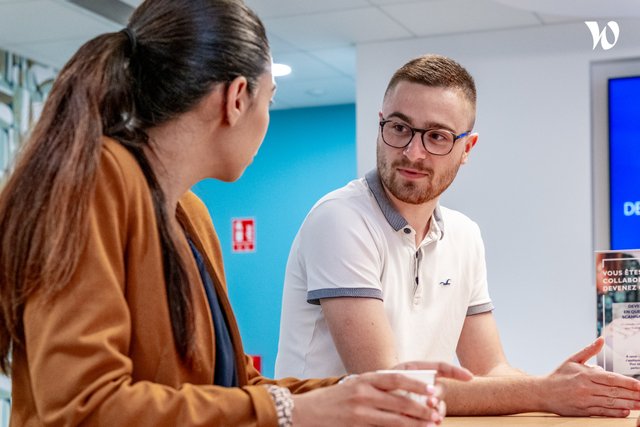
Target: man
point(380, 272)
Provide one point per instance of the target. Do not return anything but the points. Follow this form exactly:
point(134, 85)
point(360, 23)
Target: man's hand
point(444, 369)
point(577, 389)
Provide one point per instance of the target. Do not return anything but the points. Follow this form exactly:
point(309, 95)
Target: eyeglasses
point(438, 142)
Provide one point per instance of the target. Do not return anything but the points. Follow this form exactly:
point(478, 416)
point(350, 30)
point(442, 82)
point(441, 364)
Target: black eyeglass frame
point(422, 133)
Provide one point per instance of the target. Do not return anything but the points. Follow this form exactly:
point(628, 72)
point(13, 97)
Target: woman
point(112, 287)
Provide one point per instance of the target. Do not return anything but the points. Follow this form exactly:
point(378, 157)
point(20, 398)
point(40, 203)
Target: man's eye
point(398, 128)
point(439, 136)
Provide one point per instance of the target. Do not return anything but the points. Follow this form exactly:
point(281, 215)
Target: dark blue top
point(225, 369)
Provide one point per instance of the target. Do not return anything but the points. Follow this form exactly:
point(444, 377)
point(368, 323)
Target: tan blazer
point(102, 352)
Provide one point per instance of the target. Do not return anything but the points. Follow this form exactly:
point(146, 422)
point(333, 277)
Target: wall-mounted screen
point(624, 162)
point(615, 102)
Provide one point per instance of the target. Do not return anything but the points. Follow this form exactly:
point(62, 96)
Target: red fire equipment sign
point(243, 232)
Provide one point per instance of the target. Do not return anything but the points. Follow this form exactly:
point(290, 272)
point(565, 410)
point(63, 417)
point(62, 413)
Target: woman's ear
point(237, 99)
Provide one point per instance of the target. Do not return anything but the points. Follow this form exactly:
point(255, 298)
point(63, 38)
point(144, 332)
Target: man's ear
point(470, 142)
point(237, 99)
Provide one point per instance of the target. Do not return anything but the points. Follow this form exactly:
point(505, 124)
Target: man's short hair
point(436, 71)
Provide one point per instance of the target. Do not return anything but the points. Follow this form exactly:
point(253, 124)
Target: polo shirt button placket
point(417, 292)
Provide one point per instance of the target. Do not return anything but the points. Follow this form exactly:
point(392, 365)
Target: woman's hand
point(367, 400)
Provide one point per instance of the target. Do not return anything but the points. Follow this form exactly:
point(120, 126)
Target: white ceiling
point(317, 38)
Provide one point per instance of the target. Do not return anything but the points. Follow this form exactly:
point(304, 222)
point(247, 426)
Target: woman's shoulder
point(196, 211)
point(115, 159)
point(120, 173)
point(193, 213)
point(121, 187)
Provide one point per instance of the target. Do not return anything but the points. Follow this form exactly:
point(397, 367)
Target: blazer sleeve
point(295, 385)
point(77, 343)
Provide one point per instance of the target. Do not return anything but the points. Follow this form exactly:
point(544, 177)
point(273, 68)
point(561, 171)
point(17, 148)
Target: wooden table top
point(541, 420)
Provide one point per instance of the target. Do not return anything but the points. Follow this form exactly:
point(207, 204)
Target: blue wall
point(307, 153)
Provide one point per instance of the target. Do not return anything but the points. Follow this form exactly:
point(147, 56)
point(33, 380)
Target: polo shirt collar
point(395, 220)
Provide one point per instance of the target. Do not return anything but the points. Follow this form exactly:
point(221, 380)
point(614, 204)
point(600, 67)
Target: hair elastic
point(132, 39)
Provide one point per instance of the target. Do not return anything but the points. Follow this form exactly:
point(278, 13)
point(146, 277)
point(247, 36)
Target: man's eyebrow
point(430, 125)
point(401, 116)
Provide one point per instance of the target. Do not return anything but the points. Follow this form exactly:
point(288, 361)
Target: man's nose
point(415, 150)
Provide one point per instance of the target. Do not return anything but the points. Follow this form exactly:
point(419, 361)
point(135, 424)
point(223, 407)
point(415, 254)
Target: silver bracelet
point(284, 404)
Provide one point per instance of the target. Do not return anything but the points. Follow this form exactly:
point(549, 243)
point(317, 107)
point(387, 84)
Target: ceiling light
point(279, 70)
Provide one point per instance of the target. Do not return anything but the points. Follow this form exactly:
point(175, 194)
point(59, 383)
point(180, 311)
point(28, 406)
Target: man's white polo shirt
point(354, 243)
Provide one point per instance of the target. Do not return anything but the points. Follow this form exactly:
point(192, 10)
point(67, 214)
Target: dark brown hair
point(436, 71)
point(116, 85)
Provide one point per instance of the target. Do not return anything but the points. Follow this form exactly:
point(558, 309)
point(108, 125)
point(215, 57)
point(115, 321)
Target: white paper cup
point(427, 376)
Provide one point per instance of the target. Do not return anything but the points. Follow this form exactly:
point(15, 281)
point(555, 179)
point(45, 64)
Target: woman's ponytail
point(44, 204)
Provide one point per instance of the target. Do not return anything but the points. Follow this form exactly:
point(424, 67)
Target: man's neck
point(418, 216)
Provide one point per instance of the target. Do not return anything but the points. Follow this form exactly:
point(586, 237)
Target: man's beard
point(413, 192)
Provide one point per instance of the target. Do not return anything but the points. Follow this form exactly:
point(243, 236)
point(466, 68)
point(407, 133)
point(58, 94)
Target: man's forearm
point(495, 395)
point(501, 370)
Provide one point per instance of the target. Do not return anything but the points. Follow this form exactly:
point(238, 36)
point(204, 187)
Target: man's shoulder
point(457, 222)
point(351, 206)
point(355, 195)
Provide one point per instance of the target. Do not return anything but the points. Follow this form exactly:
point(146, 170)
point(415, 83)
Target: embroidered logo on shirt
point(446, 283)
